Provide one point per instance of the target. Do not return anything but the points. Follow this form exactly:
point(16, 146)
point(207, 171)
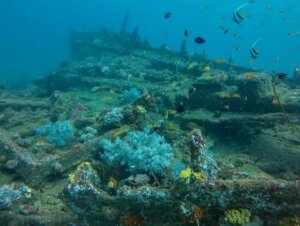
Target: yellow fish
point(123, 129)
point(236, 95)
point(219, 61)
point(205, 68)
point(250, 76)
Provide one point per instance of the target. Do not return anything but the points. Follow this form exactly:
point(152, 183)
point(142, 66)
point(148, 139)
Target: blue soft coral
point(140, 152)
point(59, 133)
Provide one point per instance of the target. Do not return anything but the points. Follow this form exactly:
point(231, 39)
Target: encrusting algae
point(132, 220)
point(237, 217)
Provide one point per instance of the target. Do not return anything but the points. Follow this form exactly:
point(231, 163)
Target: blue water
point(34, 34)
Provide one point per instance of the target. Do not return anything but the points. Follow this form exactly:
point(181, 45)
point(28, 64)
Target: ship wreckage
point(127, 134)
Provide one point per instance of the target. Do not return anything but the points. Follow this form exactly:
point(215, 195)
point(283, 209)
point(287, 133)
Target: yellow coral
point(186, 174)
point(140, 109)
point(198, 176)
point(72, 177)
point(84, 164)
point(237, 217)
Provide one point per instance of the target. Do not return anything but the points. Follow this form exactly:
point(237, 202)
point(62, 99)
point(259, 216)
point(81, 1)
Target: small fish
point(191, 90)
point(192, 65)
point(180, 108)
point(291, 33)
point(282, 10)
point(227, 107)
point(250, 76)
point(254, 52)
point(282, 75)
point(226, 31)
point(292, 65)
point(168, 15)
point(238, 16)
point(186, 33)
point(237, 48)
point(205, 68)
point(199, 40)
point(269, 6)
point(236, 95)
point(277, 60)
point(219, 61)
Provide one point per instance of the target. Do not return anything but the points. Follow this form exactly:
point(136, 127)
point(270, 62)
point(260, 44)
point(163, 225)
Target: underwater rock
point(201, 161)
point(14, 194)
point(84, 196)
point(138, 179)
point(212, 83)
point(113, 118)
point(144, 195)
point(21, 103)
point(27, 210)
point(86, 137)
point(236, 93)
point(34, 169)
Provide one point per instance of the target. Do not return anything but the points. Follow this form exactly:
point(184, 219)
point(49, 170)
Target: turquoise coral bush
point(141, 151)
point(59, 134)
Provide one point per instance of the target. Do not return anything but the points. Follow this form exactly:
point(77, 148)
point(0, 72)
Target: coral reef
point(219, 149)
